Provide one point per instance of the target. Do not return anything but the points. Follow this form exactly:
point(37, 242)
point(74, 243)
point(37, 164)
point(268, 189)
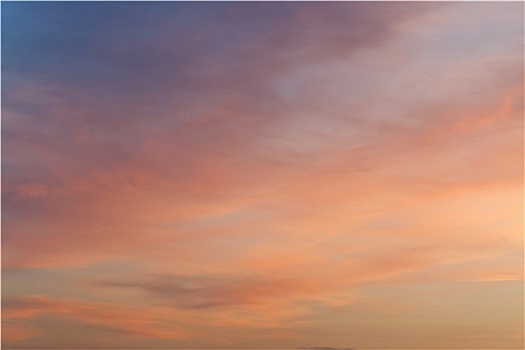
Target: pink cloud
point(253, 189)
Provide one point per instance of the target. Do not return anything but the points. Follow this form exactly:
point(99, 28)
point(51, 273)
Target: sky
point(271, 175)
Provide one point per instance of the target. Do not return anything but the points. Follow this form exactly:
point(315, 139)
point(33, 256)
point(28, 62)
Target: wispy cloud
point(119, 318)
point(257, 168)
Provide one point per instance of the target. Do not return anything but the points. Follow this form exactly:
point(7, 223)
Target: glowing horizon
point(262, 175)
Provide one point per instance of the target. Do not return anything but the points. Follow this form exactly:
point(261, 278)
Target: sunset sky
point(262, 175)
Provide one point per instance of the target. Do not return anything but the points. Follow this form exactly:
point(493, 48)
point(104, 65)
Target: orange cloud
point(133, 321)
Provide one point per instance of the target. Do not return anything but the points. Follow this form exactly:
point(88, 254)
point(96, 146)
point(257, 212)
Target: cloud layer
point(261, 174)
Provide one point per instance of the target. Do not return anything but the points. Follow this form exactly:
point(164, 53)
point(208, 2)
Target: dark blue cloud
point(144, 47)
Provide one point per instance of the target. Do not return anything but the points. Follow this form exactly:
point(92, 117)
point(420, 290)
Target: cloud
point(259, 164)
point(215, 291)
point(13, 332)
point(132, 321)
